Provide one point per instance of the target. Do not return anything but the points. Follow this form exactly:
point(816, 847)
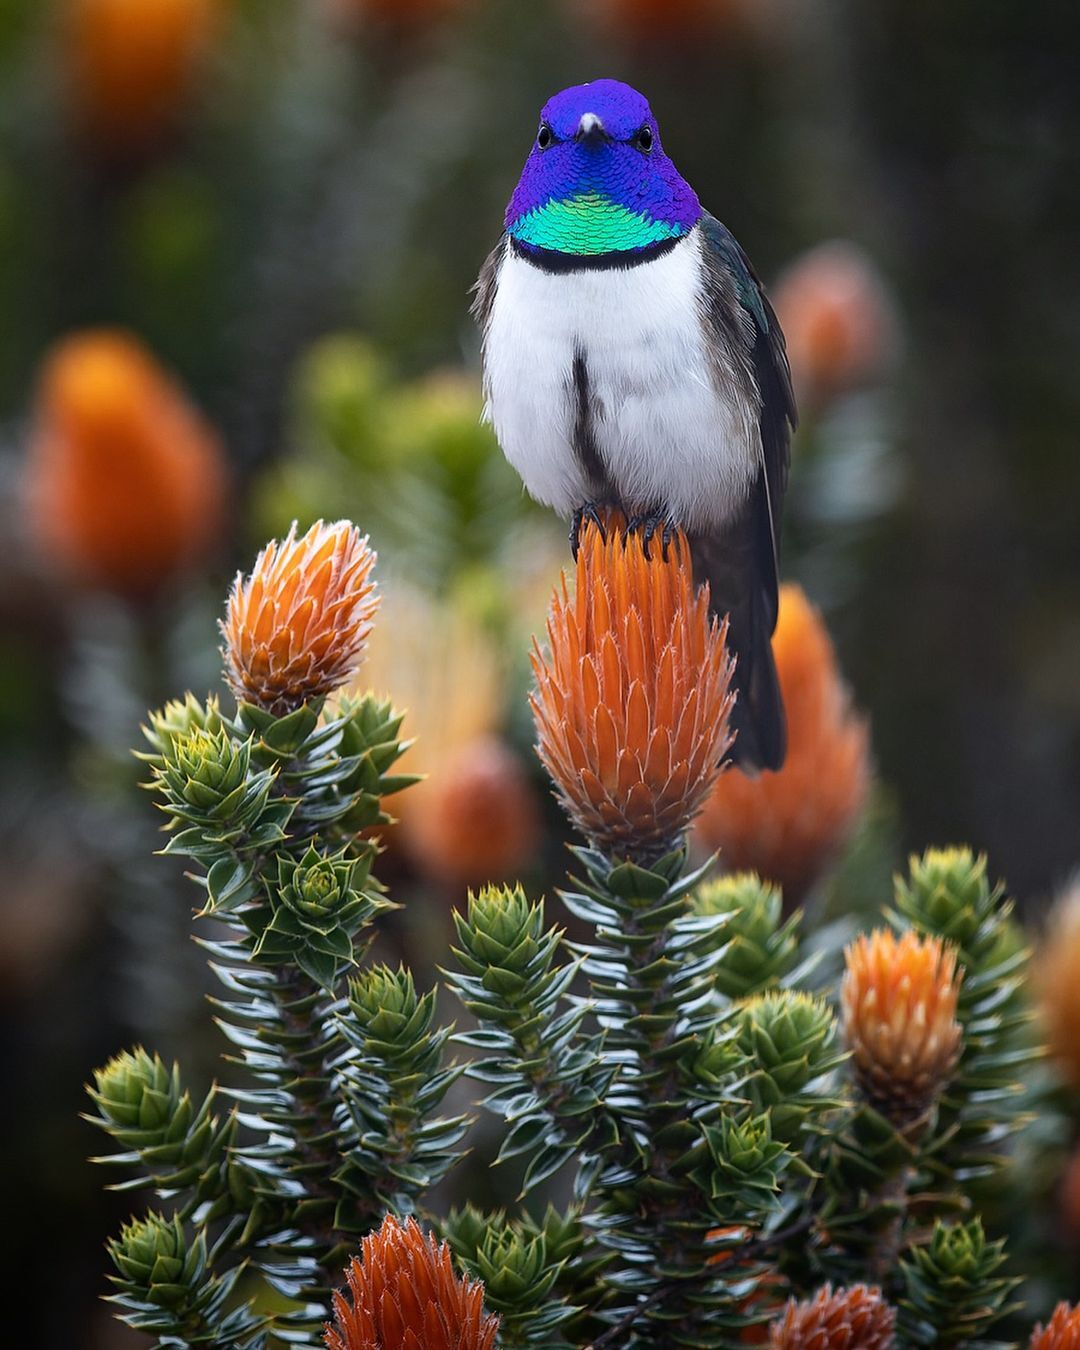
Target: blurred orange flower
point(1056, 982)
point(633, 698)
point(405, 1296)
point(789, 825)
point(478, 821)
point(1062, 1332)
point(849, 1319)
point(839, 320)
point(295, 630)
point(126, 480)
point(473, 817)
point(132, 65)
point(898, 999)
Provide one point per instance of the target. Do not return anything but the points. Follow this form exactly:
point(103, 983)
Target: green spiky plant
point(718, 1149)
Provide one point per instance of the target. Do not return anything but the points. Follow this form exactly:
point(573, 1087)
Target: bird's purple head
point(597, 181)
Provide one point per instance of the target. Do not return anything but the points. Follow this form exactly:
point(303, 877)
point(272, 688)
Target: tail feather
point(740, 567)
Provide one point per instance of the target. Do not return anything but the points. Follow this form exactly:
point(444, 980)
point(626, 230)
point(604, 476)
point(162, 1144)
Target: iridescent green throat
point(591, 224)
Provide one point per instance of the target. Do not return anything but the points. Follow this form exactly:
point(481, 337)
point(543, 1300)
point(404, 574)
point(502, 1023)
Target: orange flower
point(632, 701)
point(788, 826)
point(126, 480)
point(838, 318)
point(1056, 978)
point(132, 65)
point(851, 1319)
point(898, 999)
point(405, 1296)
point(295, 629)
point(479, 820)
point(1062, 1332)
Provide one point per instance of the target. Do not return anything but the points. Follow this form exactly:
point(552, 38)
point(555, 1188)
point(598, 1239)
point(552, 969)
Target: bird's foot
point(589, 513)
point(647, 525)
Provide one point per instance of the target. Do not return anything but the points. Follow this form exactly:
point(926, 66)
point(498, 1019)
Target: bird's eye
point(643, 140)
point(543, 136)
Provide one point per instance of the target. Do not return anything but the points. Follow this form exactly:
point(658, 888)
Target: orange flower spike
point(295, 630)
point(788, 826)
point(403, 1295)
point(1062, 1332)
point(126, 480)
point(898, 1000)
point(1056, 983)
point(133, 64)
point(838, 318)
point(632, 697)
point(849, 1319)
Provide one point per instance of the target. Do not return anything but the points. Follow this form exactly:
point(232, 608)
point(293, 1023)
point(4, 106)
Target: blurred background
point(237, 239)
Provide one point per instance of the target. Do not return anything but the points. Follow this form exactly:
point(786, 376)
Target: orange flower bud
point(126, 480)
point(477, 821)
point(851, 1319)
point(1062, 1332)
point(1056, 980)
point(633, 697)
point(405, 1295)
point(838, 319)
point(788, 826)
point(898, 999)
point(295, 629)
point(132, 65)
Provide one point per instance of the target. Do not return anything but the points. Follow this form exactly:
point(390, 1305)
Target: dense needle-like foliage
point(745, 1147)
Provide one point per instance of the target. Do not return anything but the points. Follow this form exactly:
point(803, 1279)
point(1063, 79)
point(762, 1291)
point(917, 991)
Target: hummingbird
point(631, 360)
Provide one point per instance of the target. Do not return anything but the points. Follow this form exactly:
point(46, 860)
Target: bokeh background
point(236, 243)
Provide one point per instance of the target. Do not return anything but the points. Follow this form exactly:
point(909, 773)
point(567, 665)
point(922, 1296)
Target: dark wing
point(486, 283)
point(754, 331)
point(740, 561)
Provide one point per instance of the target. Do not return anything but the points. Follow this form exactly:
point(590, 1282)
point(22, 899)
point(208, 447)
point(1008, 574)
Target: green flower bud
point(954, 1291)
point(501, 922)
point(393, 1021)
point(791, 1039)
point(140, 1101)
point(740, 1162)
point(178, 719)
point(318, 889)
point(761, 948)
point(948, 895)
point(156, 1263)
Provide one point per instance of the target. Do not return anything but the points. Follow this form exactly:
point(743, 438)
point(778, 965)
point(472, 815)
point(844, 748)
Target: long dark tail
point(740, 566)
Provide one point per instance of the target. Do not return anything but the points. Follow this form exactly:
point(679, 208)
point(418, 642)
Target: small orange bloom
point(789, 825)
point(1056, 980)
point(295, 629)
point(478, 820)
point(851, 1319)
point(1062, 1332)
point(405, 1296)
point(633, 698)
point(898, 999)
point(838, 319)
point(133, 63)
point(126, 480)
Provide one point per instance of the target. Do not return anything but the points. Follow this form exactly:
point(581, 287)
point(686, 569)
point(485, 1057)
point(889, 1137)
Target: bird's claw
point(586, 514)
point(647, 526)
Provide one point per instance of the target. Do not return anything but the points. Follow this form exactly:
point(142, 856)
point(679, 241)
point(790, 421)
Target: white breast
point(668, 429)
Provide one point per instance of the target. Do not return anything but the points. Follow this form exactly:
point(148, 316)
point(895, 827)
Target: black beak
point(591, 131)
